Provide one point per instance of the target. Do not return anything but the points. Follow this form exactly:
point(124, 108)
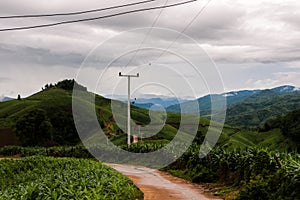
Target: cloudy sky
point(251, 44)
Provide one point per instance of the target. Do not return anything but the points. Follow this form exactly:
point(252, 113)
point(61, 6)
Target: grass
point(273, 140)
point(226, 192)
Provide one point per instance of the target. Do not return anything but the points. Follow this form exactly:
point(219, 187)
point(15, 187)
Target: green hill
point(247, 108)
point(289, 125)
point(258, 108)
point(273, 140)
point(46, 118)
point(281, 133)
point(46, 114)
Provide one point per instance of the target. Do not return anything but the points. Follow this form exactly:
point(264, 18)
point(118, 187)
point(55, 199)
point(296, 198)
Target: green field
point(63, 178)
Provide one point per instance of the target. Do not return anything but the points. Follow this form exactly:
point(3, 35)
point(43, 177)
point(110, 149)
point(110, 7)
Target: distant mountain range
point(173, 104)
point(231, 98)
point(249, 107)
point(149, 101)
point(153, 102)
point(2, 99)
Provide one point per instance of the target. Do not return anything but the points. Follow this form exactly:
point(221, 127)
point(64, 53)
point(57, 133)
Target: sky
point(233, 44)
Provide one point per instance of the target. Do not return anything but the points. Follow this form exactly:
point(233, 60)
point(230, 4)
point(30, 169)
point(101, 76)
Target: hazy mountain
point(231, 98)
point(286, 88)
point(265, 105)
point(151, 102)
point(205, 102)
point(2, 99)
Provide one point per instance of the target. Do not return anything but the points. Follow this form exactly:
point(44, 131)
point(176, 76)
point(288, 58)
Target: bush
point(259, 173)
point(78, 151)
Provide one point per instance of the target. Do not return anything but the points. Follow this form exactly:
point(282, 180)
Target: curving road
point(157, 185)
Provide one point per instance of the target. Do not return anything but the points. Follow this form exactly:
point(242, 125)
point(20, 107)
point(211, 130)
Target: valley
point(246, 153)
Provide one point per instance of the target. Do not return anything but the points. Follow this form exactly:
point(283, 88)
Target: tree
point(34, 128)
point(70, 85)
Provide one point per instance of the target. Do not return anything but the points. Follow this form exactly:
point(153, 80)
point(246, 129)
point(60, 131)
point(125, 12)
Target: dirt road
point(157, 185)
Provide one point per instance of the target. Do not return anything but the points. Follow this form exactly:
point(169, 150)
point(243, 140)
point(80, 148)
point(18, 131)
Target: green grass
point(273, 140)
point(62, 178)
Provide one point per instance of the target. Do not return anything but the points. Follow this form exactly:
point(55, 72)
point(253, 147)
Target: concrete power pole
point(128, 104)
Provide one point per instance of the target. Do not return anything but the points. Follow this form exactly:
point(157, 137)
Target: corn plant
point(62, 178)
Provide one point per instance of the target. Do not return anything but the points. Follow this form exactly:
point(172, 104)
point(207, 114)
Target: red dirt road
point(157, 185)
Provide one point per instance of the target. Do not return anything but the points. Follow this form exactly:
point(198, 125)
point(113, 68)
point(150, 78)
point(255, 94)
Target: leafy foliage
point(288, 124)
point(78, 151)
point(68, 84)
point(258, 173)
point(62, 178)
point(34, 128)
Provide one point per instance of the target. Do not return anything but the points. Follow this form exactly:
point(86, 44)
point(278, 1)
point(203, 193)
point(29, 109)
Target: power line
point(189, 24)
point(95, 18)
point(148, 33)
point(74, 13)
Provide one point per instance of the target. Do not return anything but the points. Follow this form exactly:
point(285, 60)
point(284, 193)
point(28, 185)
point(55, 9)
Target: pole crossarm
point(129, 75)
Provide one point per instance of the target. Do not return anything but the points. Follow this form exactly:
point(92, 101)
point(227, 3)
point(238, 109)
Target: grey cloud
point(4, 79)
point(293, 20)
point(37, 56)
point(233, 32)
point(252, 54)
point(217, 23)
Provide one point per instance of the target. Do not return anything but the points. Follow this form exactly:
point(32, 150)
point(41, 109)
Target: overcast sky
point(254, 44)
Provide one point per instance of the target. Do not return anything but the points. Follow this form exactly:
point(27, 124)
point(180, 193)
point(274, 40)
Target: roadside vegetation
point(63, 178)
point(243, 174)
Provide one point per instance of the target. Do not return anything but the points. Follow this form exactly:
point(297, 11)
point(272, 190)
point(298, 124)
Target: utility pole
point(128, 103)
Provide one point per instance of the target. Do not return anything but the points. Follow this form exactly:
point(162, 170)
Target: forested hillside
point(258, 108)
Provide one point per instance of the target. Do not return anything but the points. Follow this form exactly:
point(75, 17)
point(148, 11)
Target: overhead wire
point(75, 13)
point(186, 27)
point(95, 18)
point(147, 35)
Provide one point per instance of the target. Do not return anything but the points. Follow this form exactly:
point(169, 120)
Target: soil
point(157, 185)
